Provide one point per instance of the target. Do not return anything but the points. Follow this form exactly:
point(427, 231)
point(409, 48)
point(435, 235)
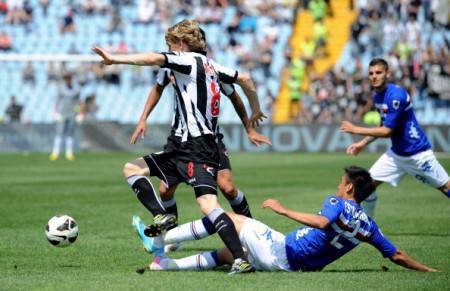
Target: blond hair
point(187, 31)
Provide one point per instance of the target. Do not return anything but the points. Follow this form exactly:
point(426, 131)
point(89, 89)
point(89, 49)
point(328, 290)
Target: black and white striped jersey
point(197, 81)
point(164, 77)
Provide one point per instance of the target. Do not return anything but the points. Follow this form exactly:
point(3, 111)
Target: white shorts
point(423, 166)
point(265, 246)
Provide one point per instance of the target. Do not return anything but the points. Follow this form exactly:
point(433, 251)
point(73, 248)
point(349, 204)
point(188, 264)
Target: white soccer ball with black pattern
point(61, 230)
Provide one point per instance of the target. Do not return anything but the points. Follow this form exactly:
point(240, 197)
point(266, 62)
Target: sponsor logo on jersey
point(209, 169)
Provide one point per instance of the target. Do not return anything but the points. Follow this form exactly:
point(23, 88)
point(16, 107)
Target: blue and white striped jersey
point(311, 249)
point(395, 107)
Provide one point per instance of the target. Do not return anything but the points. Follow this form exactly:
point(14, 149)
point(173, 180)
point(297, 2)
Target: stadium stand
point(324, 80)
point(412, 35)
point(249, 35)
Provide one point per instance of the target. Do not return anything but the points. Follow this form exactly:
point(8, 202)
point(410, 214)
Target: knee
point(129, 169)
point(164, 192)
point(207, 205)
point(228, 188)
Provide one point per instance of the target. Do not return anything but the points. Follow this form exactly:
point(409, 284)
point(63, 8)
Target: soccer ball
point(61, 230)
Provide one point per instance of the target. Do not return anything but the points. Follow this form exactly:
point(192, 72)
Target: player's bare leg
point(236, 198)
point(168, 198)
point(445, 189)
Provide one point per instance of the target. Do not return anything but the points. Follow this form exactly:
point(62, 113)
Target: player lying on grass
point(411, 151)
point(338, 228)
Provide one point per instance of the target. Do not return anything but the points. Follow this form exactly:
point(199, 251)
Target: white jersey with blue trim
point(396, 110)
point(311, 249)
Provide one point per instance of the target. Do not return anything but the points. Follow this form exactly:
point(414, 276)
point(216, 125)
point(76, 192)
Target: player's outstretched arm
point(380, 131)
point(309, 219)
point(246, 82)
point(357, 147)
point(145, 59)
point(255, 137)
point(152, 100)
point(403, 259)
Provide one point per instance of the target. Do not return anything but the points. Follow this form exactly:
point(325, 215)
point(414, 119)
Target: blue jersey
point(396, 110)
point(311, 249)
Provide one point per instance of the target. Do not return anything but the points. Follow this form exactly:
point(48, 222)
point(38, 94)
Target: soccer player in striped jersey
point(237, 200)
point(411, 151)
point(196, 160)
point(225, 180)
point(338, 228)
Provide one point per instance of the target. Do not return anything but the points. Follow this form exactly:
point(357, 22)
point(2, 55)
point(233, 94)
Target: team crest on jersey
point(333, 201)
point(396, 104)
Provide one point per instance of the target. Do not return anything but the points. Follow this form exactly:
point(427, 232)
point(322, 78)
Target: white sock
point(370, 203)
point(194, 230)
point(56, 146)
point(203, 261)
point(69, 146)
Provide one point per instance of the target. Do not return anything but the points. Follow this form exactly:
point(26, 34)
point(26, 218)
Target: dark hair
point(362, 182)
point(379, 61)
point(202, 34)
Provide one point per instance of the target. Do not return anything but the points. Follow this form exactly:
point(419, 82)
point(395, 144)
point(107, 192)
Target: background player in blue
point(410, 152)
point(337, 229)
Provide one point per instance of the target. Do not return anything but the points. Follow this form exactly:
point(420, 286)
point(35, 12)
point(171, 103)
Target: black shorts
point(224, 161)
point(197, 169)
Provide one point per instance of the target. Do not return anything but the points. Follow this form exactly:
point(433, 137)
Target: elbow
point(386, 132)
point(399, 256)
point(243, 79)
point(322, 223)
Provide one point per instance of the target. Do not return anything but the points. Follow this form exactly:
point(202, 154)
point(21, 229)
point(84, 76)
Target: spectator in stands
point(90, 108)
point(3, 7)
point(5, 42)
point(318, 9)
point(212, 13)
point(116, 24)
point(14, 110)
point(146, 11)
point(52, 74)
point(28, 74)
point(68, 23)
point(265, 55)
point(320, 36)
point(44, 5)
point(309, 51)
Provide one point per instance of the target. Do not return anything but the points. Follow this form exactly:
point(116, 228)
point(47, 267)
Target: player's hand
point(275, 205)
point(347, 126)
point(140, 130)
point(107, 57)
point(354, 149)
point(256, 138)
point(256, 118)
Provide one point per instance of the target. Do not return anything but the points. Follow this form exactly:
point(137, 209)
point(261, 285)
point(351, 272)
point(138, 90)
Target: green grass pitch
point(107, 252)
